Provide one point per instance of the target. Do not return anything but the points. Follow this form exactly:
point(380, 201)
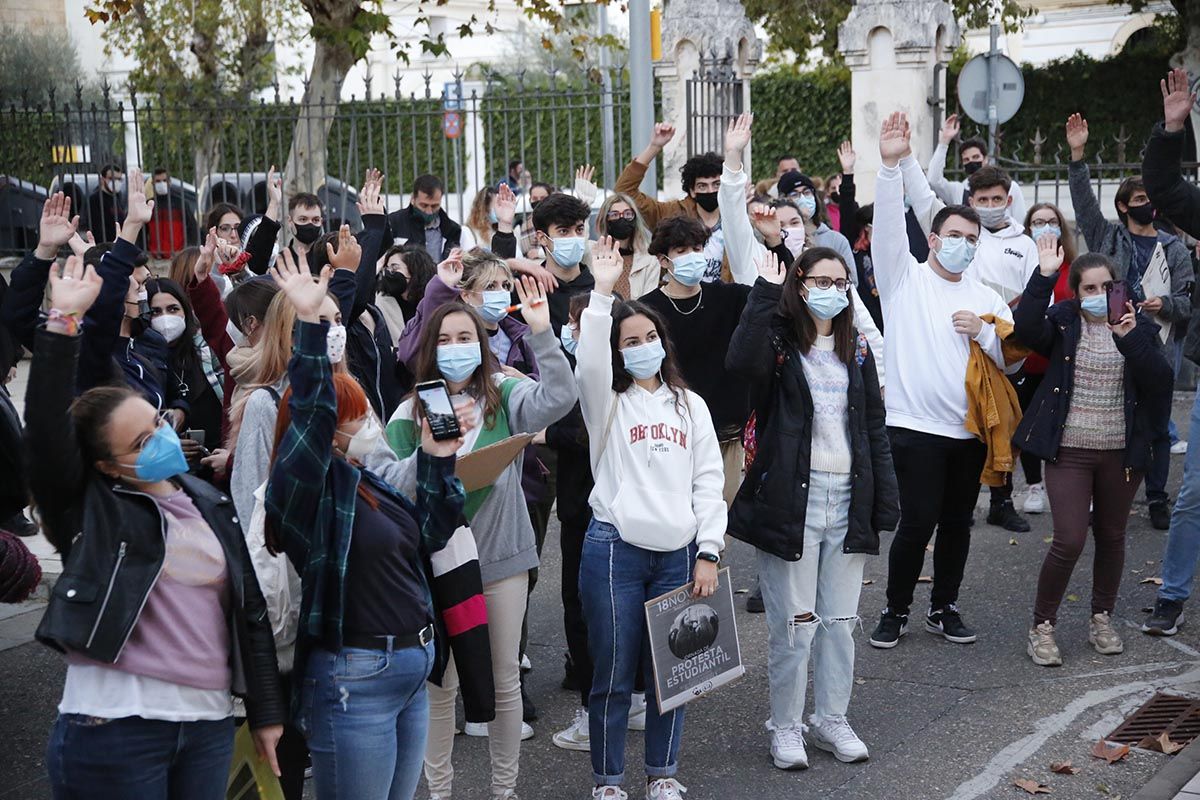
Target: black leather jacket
point(111, 537)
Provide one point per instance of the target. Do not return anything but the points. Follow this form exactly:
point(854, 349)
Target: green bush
point(805, 114)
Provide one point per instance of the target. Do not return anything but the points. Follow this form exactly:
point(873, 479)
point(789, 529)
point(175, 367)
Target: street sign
point(451, 124)
point(1007, 83)
point(451, 96)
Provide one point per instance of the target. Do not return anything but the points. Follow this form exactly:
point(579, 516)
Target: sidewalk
point(1178, 780)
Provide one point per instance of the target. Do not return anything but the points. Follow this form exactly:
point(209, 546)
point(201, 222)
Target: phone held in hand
point(439, 411)
point(1118, 297)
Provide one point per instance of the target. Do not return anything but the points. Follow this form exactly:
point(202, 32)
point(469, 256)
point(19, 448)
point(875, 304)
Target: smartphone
point(197, 436)
point(439, 411)
point(1118, 296)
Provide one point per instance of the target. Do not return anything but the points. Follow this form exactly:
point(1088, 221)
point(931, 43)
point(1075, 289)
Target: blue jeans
point(131, 758)
point(1183, 540)
point(615, 581)
point(366, 715)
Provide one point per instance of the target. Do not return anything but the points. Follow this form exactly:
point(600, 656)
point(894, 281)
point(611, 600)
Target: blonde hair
point(640, 241)
point(481, 267)
point(182, 265)
point(478, 220)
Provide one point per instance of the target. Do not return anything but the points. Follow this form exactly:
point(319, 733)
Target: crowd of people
point(257, 521)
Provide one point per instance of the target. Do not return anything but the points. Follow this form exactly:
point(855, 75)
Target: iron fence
point(466, 132)
point(714, 97)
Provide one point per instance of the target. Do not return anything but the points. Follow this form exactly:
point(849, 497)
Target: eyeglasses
point(803, 192)
point(227, 229)
point(971, 240)
point(616, 215)
point(822, 282)
point(162, 423)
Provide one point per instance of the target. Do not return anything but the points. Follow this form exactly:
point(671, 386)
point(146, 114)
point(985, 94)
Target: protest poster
point(250, 777)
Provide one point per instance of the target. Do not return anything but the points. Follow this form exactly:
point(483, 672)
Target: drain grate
point(1176, 716)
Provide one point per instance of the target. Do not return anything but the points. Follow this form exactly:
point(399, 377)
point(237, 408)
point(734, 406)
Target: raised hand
point(893, 138)
point(766, 223)
point(1178, 99)
point(607, 264)
point(663, 133)
point(584, 173)
point(76, 289)
point(57, 226)
point(505, 206)
point(305, 294)
point(80, 243)
point(534, 307)
point(771, 269)
point(847, 157)
point(737, 136)
point(369, 200)
point(274, 194)
point(208, 255)
point(451, 270)
point(1077, 136)
point(140, 209)
point(1050, 254)
point(349, 251)
point(950, 129)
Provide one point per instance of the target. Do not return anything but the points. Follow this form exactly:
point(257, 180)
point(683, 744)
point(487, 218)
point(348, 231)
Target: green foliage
point(35, 64)
point(805, 114)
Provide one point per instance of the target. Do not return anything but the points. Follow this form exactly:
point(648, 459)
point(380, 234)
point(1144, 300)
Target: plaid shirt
point(311, 495)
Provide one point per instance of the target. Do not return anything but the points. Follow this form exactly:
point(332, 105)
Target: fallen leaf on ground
point(1031, 786)
point(1155, 581)
point(1074, 598)
point(924, 579)
point(1161, 744)
point(1111, 753)
point(1065, 768)
point(1012, 541)
point(868, 582)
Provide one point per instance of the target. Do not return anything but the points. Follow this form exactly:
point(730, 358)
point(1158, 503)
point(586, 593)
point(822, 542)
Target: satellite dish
point(1007, 93)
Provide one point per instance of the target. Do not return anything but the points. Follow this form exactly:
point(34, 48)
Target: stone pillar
point(691, 28)
point(897, 51)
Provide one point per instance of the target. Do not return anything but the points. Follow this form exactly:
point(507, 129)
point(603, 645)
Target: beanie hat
point(791, 180)
point(20, 572)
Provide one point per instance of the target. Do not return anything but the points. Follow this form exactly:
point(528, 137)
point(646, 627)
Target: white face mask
point(170, 326)
point(160, 188)
point(239, 338)
point(335, 342)
point(117, 184)
point(364, 442)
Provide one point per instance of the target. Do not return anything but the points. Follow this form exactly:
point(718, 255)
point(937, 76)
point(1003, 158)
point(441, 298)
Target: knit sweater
point(829, 383)
point(1096, 418)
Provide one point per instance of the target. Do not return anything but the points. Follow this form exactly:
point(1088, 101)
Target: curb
point(1168, 781)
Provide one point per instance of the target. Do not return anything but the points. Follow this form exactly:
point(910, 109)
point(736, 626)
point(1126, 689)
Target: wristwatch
point(713, 557)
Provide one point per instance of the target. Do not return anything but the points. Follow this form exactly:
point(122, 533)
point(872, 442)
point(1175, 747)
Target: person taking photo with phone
point(1105, 395)
point(658, 516)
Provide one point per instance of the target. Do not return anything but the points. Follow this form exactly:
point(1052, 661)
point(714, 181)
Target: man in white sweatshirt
point(972, 153)
point(931, 313)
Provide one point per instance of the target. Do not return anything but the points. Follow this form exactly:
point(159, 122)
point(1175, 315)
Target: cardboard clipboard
point(482, 467)
point(1156, 282)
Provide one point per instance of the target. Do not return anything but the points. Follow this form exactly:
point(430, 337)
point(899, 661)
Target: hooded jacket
point(954, 193)
point(1005, 259)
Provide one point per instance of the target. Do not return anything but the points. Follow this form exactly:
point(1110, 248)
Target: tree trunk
point(1189, 57)
point(207, 156)
point(306, 170)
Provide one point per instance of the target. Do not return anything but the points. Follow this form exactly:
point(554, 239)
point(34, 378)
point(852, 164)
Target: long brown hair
point(478, 220)
point(481, 386)
point(802, 331)
point(668, 372)
point(1066, 241)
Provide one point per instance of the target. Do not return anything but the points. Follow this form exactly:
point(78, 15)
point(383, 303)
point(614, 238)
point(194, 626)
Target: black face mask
point(1143, 214)
point(620, 228)
point(308, 233)
point(706, 200)
point(972, 167)
point(393, 284)
point(834, 198)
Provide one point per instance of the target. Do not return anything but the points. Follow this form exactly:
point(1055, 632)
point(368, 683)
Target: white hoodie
point(1005, 259)
point(659, 474)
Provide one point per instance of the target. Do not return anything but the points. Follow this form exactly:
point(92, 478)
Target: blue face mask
point(495, 305)
point(644, 360)
point(568, 341)
point(492, 217)
point(807, 205)
point(161, 457)
point(457, 362)
point(956, 254)
point(568, 251)
point(689, 268)
point(1038, 231)
point(1096, 305)
point(826, 303)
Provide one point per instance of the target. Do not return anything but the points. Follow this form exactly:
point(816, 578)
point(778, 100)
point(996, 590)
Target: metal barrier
point(466, 132)
point(714, 97)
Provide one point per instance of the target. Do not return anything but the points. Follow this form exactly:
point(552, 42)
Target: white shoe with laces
point(1035, 499)
point(577, 736)
point(480, 730)
point(609, 793)
point(1179, 448)
point(787, 747)
point(835, 735)
point(637, 711)
point(665, 789)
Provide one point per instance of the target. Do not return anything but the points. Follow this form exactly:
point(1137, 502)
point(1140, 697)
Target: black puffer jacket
point(772, 503)
point(1054, 332)
point(111, 539)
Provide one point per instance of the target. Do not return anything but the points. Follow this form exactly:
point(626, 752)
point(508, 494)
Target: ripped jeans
point(812, 606)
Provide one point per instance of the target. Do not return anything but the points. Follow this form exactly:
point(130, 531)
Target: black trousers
point(1025, 385)
point(939, 485)
point(571, 539)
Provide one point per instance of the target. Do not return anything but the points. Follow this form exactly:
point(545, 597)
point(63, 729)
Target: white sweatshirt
point(659, 474)
point(744, 251)
point(952, 192)
point(927, 359)
point(1005, 259)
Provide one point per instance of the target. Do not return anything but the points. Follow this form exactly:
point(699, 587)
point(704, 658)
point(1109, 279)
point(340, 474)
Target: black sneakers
point(947, 623)
point(20, 525)
point(1160, 515)
point(754, 601)
point(889, 630)
point(1006, 516)
point(1165, 620)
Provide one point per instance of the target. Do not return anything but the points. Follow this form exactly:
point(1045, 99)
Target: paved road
point(943, 721)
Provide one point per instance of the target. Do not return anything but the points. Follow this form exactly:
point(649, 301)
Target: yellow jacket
point(993, 411)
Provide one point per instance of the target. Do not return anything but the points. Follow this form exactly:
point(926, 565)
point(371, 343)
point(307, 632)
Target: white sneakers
point(480, 729)
point(609, 793)
point(1179, 448)
point(577, 736)
point(787, 747)
point(637, 711)
point(1035, 499)
point(834, 735)
point(665, 789)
